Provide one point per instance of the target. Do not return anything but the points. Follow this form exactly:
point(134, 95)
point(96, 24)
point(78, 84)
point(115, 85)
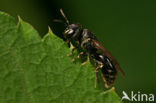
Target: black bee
point(104, 61)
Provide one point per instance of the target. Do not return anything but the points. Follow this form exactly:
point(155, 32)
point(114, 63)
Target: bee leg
point(85, 61)
point(79, 56)
point(73, 49)
point(88, 59)
point(73, 60)
point(96, 74)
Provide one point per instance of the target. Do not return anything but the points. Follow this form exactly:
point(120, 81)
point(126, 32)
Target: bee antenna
point(58, 21)
point(64, 16)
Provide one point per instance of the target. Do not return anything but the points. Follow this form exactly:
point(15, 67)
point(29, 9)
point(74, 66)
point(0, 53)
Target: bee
point(103, 59)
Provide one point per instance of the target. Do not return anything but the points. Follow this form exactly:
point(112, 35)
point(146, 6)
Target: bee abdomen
point(109, 73)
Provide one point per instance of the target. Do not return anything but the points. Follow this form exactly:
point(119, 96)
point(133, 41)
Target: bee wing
point(100, 46)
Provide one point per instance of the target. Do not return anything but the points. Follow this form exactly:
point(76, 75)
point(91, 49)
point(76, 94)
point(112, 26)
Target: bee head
point(72, 31)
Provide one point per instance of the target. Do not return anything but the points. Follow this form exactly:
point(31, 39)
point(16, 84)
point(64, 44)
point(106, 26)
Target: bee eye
point(69, 31)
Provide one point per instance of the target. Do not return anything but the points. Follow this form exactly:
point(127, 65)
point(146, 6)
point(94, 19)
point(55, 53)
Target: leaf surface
point(36, 70)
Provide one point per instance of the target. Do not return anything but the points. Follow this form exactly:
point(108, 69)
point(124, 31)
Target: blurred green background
point(127, 28)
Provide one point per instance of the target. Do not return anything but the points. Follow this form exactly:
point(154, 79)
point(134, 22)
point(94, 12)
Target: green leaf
point(36, 70)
